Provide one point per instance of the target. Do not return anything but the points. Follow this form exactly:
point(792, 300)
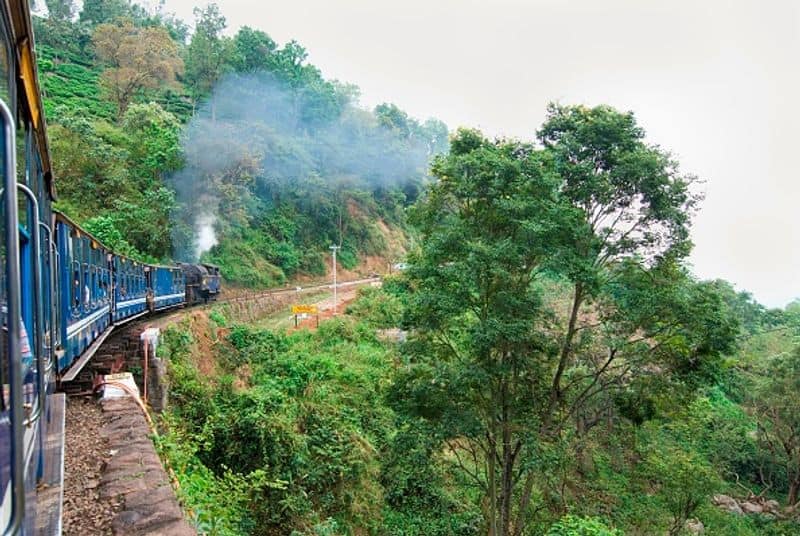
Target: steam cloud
point(257, 133)
point(206, 236)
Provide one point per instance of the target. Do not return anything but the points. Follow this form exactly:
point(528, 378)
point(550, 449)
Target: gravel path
point(86, 452)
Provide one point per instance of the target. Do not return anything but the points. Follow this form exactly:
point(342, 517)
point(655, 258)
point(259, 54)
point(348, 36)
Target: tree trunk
point(508, 463)
point(794, 490)
point(492, 452)
point(566, 349)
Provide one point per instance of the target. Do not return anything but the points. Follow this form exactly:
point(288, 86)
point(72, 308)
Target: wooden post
point(146, 348)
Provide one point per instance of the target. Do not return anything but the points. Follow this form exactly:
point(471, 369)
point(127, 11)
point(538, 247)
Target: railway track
point(302, 290)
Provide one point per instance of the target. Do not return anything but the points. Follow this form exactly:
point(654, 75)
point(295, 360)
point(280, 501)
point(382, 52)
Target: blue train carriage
point(86, 289)
point(167, 287)
point(130, 289)
point(31, 415)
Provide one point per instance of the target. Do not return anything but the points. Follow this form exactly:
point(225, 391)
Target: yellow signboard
point(304, 309)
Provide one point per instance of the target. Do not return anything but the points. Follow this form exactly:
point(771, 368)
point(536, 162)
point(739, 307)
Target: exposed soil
point(85, 456)
point(201, 329)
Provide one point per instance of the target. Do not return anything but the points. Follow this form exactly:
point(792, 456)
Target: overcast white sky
point(715, 81)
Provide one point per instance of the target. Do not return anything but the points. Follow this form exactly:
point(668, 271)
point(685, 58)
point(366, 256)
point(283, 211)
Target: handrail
point(39, 298)
point(13, 321)
point(51, 257)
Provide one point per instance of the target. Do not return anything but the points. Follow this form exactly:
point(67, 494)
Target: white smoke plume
point(256, 133)
point(206, 234)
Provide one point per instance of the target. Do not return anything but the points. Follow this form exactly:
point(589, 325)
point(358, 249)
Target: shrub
point(570, 525)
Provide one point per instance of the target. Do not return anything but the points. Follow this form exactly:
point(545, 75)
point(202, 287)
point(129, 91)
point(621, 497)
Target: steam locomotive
point(62, 291)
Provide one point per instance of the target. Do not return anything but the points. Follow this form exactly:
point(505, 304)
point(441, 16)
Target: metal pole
point(335, 301)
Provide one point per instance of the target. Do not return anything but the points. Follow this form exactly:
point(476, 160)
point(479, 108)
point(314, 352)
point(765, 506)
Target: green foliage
point(102, 11)
point(104, 229)
point(123, 168)
point(376, 307)
point(773, 403)
point(218, 317)
point(302, 440)
point(509, 229)
point(241, 263)
point(208, 52)
point(683, 478)
point(571, 525)
point(189, 393)
point(154, 147)
point(217, 504)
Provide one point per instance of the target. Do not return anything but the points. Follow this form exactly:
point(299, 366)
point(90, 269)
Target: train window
point(104, 285)
point(76, 285)
point(123, 276)
point(76, 273)
point(57, 297)
point(93, 285)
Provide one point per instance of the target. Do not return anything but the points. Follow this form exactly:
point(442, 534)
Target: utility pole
point(335, 302)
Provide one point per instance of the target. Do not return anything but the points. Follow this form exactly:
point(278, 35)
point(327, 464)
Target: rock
point(751, 507)
point(728, 504)
point(695, 526)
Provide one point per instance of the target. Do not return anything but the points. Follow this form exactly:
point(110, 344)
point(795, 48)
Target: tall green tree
point(153, 142)
point(631, 202)
point(507, 230)
point(103, 11)
point(62, 10)
point(252, 50)
point(209, 52)
point(486, 225)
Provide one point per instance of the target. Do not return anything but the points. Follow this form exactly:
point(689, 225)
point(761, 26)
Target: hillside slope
point(257, 162)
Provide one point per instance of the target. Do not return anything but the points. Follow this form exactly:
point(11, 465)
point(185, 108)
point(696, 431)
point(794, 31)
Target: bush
point(570, 525)
point(377, 308)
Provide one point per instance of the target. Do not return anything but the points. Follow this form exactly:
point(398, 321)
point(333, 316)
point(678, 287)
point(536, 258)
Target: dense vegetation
point(315, 433)
point(562, 372)
point(166, 145)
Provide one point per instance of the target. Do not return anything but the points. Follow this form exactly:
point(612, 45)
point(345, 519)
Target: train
point(62, 292)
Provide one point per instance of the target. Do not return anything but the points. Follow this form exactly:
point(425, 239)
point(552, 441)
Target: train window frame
point(123, 279)
point(75, 301)
point(93, 285)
